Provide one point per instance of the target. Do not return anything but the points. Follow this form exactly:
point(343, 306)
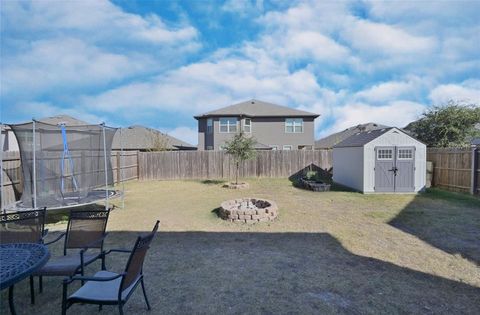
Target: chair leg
point(64, 299)
point(145, 294)
point(40, 284)
point(32, 290)
point(120, 308)
point(100, 307)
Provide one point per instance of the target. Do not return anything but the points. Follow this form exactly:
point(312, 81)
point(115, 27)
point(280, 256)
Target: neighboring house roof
point(475, 141)
point(256, 108)
point(144, 138)
point(67, 120)
point(333, 139)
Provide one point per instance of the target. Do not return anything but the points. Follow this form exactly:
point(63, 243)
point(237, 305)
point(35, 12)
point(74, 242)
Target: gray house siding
point(266, 130)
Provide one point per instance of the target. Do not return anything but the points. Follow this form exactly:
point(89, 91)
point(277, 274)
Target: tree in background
point(451, 125)
point(242, 149)
point(159, 142)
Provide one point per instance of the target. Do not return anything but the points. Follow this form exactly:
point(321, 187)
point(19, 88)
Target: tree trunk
point(236, 174)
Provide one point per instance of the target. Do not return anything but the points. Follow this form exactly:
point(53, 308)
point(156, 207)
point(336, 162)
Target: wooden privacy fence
point(219, 165)
point(123, 170)
point(455, 169)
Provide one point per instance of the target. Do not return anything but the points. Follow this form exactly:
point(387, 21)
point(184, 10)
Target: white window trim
point(402, 158)
point(286, 146)
point(244, 120)
point(385, 159)
point(294, 125)
point(228, 125)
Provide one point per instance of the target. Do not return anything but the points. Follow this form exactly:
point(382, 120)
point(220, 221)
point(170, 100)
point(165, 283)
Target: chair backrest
point(22, 226)
point(86, 227)
point(137, 257)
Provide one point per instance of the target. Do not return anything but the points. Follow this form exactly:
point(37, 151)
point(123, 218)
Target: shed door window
point(405, 154)
point(385, 154)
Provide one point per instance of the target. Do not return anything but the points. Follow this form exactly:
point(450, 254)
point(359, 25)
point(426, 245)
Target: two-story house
point(273, 126)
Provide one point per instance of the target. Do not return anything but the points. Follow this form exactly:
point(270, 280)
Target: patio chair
point(85, 231)
point(24, 227)
point(110, 288)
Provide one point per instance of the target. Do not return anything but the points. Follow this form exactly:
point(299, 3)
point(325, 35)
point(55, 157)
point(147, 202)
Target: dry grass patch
point(330, 252)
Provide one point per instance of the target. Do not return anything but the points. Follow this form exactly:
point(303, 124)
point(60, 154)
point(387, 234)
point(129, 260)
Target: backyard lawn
point(332, 252)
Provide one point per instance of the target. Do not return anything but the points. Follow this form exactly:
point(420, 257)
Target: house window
point(247, 125)
point(405, 154)
point(274, 147)
point(209, 147)
point(209, 125)
point(294, 125)
point(287, 147)
point(228, 125)
point(384, 154)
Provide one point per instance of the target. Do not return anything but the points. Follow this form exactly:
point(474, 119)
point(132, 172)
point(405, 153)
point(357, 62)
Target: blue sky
point(158, 63)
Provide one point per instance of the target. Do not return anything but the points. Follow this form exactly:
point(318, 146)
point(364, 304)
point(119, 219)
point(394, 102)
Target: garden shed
point(380, 161)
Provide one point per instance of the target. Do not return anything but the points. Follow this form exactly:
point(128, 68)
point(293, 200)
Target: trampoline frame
point(16, 206)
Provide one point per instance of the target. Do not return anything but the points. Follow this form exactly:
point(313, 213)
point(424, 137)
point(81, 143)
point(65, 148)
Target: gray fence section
point(219, 165)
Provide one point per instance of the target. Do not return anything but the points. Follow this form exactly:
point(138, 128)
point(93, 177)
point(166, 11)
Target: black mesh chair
point(24, 227)
point(110, 288)
point(83, 245)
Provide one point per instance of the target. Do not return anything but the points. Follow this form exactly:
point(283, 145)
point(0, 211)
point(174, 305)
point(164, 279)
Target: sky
point(159, 63)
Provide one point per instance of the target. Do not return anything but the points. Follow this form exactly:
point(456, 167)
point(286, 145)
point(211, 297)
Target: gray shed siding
point(348, 167)
point(266, 130)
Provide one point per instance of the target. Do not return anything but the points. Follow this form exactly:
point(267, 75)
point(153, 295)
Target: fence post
point(474, 185)
point(138, 165)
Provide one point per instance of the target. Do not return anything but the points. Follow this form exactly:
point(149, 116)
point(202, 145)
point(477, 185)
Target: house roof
point(333, 139)
point(144, 138)
point(361, 138)
point(65, 119)
point(475, 141)
point(256, 108)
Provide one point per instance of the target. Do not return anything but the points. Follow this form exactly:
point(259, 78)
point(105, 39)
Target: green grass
point(329, 252)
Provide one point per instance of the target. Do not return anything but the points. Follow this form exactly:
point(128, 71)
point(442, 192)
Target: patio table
point(17, 262)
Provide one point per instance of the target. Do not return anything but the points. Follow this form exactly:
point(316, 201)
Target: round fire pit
point(248, 210)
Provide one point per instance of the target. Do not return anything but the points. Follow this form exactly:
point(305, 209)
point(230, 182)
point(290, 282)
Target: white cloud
point(392, 90)
point(243, 7)
point(187, 134)
point(467, 92)
point(378, 38)
point(395, 114)
point(40, 110)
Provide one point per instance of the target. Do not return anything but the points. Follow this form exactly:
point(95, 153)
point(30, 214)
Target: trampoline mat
point(69, 200)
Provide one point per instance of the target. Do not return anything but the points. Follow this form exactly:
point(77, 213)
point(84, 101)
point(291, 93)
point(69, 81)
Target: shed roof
point(361, 138)
point(144, 138)
point(256, 108)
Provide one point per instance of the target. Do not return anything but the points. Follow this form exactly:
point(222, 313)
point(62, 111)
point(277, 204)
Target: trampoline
point(64, 166)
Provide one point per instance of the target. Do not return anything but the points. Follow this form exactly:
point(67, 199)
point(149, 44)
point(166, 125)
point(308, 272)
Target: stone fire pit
point(248, 210)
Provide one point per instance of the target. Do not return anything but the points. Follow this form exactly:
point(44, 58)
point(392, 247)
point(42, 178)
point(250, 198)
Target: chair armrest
point(98, 279)
point(56, 239)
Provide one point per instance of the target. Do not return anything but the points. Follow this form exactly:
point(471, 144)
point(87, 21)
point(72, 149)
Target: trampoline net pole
point(1, 169)
point(105, 164)
point(122, 165)
point(34, 142)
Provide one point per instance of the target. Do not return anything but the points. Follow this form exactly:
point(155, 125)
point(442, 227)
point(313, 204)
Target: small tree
point(159, 142)
point(451, 125)
point(242, 149)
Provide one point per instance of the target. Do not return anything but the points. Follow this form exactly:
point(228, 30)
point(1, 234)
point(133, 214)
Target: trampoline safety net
point(63, 165)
